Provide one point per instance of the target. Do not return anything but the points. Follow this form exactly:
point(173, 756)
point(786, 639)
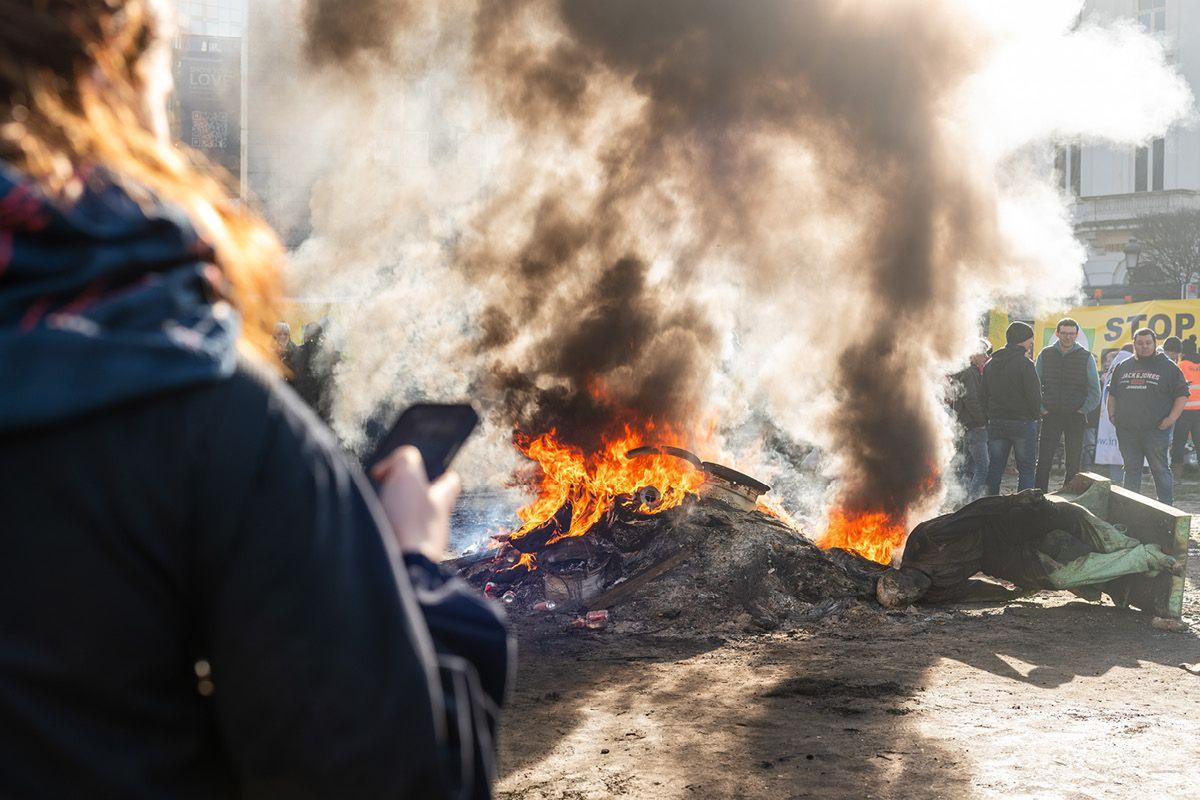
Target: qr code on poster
point(210, 130)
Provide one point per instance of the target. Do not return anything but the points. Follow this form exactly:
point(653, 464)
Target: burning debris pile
point(675, 542)
point(695, 211)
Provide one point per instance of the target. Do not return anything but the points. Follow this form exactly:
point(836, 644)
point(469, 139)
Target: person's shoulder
point(255, 404)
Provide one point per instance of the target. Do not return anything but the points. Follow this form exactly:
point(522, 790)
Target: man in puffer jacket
point(1070, 391)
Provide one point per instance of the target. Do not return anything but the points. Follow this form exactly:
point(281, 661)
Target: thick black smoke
point(857, 85)
point(860, 86)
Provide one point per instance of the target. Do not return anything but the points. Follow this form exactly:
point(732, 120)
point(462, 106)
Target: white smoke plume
point(782, 218)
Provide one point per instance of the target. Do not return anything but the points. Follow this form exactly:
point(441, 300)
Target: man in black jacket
point(1070, 391)
point(968, 407)
point(1012, 400)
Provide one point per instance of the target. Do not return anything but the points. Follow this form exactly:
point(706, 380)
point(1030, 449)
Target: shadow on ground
point(832, 711)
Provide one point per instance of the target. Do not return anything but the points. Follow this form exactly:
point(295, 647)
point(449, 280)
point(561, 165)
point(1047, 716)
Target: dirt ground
point(1050, 697)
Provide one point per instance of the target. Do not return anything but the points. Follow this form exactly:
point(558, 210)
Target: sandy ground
point(1050, 697)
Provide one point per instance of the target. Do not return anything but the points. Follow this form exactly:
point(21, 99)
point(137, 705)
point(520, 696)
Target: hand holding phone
point(419, 512)
point(408, 468)
point(438, 431)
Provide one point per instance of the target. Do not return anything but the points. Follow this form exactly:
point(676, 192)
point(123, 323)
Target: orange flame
point(772, 507)
point(591, 483)
point(874, 535)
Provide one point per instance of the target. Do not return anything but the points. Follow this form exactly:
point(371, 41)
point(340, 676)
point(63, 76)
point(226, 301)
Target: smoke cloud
point(699, 212)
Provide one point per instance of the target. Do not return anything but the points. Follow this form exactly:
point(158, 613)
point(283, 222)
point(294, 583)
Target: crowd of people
point(309, 367)
point(1138, 411)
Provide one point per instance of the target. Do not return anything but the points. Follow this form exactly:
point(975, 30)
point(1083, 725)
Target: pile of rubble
point(706, 565)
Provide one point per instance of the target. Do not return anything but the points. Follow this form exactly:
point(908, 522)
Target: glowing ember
point(873, 534)
point(590, 484)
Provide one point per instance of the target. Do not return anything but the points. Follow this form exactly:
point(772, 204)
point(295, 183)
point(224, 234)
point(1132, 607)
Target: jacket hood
point(1010, 351)
point(103, 300)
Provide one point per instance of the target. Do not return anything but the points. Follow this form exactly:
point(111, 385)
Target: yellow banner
point(997, 324)
point(1105, 328)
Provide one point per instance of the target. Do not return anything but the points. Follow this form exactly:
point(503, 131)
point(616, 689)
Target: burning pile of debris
point(685, 545)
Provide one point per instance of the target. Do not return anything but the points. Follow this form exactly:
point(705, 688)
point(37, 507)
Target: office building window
point(1149, 165)
point(1153, 15)
point(1068, 169)
point(1157, 148)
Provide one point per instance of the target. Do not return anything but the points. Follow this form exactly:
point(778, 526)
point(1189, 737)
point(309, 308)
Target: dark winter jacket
point(1011, 389)
point(314, 365)
point(1069, 380)
point(199, 596)
point(968, 402)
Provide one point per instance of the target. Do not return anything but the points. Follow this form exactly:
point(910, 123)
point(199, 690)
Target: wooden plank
point(1146, 520)
point(622, 591)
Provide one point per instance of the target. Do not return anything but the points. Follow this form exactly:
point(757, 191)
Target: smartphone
point(436, 430)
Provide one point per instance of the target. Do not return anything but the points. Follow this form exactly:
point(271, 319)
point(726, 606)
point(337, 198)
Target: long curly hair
point(77, 91)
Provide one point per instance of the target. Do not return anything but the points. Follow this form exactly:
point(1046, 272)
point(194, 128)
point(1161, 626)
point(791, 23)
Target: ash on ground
point(701, 567)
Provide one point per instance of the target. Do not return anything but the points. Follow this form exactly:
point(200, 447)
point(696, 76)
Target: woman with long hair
point(199, 596)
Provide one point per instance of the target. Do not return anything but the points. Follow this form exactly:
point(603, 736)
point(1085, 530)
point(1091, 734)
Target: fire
point(590, 484)
point(872, 534)
point(770, 505)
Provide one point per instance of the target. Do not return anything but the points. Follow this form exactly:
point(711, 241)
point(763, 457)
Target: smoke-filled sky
point(703, 211)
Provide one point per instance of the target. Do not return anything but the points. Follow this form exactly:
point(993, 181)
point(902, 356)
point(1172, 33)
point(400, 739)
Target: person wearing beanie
point(1173, 348)
point(1070, 391)
point(1019, 333)
point(1012, 398)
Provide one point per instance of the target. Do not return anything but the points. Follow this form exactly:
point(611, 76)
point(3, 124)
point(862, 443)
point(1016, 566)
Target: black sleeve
point(1114, 384)
point(973, 396)
point(475, 661)
point(325, 673)
point(1033, 390)
point(984, 400)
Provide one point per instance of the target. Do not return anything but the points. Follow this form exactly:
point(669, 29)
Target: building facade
point(1114, 186)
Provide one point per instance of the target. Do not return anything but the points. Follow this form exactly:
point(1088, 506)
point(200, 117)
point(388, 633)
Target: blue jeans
point(1151, 446)
point(976, 442)
point(1018, 436)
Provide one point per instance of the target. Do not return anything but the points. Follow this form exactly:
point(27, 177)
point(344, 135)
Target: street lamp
point(1133, 251)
